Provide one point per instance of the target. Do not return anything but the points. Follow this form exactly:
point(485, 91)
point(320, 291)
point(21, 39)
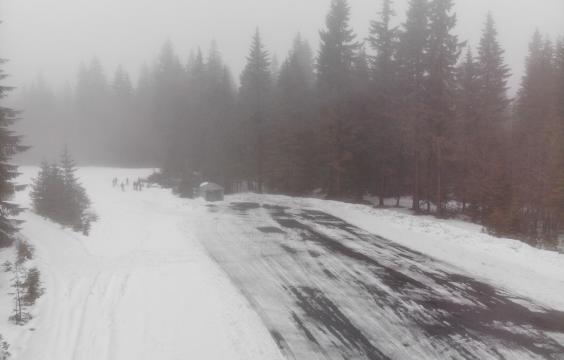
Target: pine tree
point(467, 132)
point(335, 82)
point(274, 69)
point(122, 87)
point(291, 164)
point(218, 104)
point(255, 98)
point(125, 126)
point(92, 88)
point(413, 63)
point(557, 200)
point(32, 287)
point(9, 146)
point(490, 156)
point(57, 195)
point(387, 143)
point(170, 106)
point(443, 54)
point(383, 40)
point(536, 143)
point(146, 144)
point(93, 116)
point(361, 125)
point(75, 202)
point(39, 194)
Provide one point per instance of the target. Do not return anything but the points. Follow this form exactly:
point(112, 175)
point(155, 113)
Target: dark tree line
point(411, 111)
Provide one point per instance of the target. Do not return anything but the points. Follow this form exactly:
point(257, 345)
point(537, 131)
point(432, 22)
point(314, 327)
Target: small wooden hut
point(211, 192)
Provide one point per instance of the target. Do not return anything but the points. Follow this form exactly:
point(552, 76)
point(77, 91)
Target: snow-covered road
point(266, 277)
point(330, 290)
point(139, 287)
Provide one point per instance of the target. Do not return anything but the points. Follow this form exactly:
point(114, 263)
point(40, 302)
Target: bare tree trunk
point(439, 178)
point(415, 206)
point(382, 191)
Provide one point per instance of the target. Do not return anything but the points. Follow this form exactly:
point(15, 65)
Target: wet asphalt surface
point(326, 289)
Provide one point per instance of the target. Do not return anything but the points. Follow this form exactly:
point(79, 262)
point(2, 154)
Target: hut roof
point(209, 186)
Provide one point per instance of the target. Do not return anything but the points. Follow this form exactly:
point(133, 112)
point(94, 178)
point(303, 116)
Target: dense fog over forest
point(48, 42)
point(436, 100)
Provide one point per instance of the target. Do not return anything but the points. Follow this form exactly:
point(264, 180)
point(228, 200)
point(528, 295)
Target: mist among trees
point(413, 111)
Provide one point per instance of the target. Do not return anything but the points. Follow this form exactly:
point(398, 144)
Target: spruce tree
point(292, 164)
point(148, 141)
point(335, 85)
point(121, 87)
point(414, 67)
point(170, 107)
point(443, 53)
point(535, 135)
point(123, 137)
point(255, 98)
point(558, 195)
point(490, 156)
point(383, 40)
point(58, 196)
point(386, 142)
point(217, 99)
point(75, 201)
point(10, 145)
point(94, 117)
point(39, 194)
point(466, 125)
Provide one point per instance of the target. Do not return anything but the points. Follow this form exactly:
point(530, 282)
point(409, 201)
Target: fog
point(63, 57)
point(52, 37)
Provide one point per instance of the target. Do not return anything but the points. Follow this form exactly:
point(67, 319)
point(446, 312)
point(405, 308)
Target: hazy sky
point(52, 37)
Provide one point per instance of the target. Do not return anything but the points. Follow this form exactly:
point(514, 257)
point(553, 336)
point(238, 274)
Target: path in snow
point(329, 290)
point(139, 287)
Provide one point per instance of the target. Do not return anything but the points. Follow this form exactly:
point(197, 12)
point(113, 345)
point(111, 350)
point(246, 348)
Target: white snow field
point(142, 285)
point(139, 287)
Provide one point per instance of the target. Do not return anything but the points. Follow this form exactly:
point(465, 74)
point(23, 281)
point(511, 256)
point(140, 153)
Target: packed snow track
point(329, 290)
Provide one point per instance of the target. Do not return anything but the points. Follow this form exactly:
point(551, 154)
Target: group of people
point(137, 185)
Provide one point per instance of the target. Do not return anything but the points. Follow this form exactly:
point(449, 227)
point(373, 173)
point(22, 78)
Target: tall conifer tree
point(10, 145)
point(255, 96)
point(466, 134)
point(414, 65)
point(443, 54)
point(335, 73)
point(292, 167)
point(386, 149)
point(489, 189)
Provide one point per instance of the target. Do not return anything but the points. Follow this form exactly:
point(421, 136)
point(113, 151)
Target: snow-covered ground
point(139, 287)
point(510, 264)
point(142, 285)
